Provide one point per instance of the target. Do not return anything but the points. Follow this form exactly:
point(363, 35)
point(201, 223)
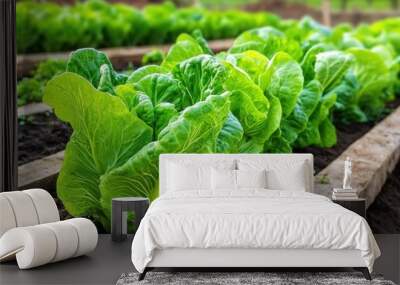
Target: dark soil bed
point(346, 135)
point(384, 214)
point(40, 135)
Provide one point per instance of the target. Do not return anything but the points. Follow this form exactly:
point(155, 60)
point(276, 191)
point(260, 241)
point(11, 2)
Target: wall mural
point(282, 86)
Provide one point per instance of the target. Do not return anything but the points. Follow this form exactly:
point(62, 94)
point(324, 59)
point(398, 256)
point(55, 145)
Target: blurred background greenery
point(45, 27)
point(336, 5)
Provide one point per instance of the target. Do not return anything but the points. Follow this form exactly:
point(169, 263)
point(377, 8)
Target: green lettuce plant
point(49, 27)
point(274, 90)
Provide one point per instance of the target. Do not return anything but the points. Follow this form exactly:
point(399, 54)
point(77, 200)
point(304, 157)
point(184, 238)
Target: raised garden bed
point(346, 135)
point(120, 57)
point(117, 155)
point(383, 214)
point(33, 108)
point(42, 134)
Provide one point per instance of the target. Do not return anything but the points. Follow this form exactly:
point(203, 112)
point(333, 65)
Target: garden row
point(272, 91)
point(36, 69)
point(48, 27)
point(374, 150)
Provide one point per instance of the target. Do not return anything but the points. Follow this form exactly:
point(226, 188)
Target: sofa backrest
point(26, 208)
point(269, 161)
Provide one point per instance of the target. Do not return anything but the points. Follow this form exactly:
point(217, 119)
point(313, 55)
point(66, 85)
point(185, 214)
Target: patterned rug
point(244, 278)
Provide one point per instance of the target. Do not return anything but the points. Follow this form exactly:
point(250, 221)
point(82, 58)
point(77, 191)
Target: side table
point(358, 206)
point(120, 208)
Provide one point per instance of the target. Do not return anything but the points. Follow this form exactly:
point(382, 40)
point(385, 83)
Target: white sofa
point(31, 231)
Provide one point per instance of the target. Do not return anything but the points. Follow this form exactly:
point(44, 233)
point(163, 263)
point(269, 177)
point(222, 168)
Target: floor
point(110, 260)
point(103, 266)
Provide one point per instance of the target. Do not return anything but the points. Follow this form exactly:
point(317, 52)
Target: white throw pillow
point(251, 178)
point(183, 177)
point(223, 179)
point(281, 174)
point(292, 180)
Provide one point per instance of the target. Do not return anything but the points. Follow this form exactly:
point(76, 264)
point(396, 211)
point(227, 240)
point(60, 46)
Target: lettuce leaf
point(106, 134)
point(312, 134)
point(250, 107)
point(283, 79)
point(87, 62)
point(187, 134)
point(292, 126)
point(231, 135)
point(268, 41)
point(184, 48)
point(373, 76)
point(143, 71)
point(162, 88)
point(330, 67)
point(200, 77)
point(252, 62)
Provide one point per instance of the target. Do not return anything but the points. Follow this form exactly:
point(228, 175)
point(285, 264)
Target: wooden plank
point(326, 13)
point(41, 173)
point(33, 108)
point(374, 156)
point(120, 56)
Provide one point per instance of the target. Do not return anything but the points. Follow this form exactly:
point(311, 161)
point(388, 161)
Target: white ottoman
point(31, 232)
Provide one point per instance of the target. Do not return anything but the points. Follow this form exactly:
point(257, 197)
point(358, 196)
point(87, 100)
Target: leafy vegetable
point(105, 136)
point(185, 134)
point(30, 89)
point(200, 77)
point(184, 48)
point(312, 135)
point(330, 67)
point(89, 63)
point(48, 27)
point(268, 41)
point(276, 89)
point(283, 79)
point(153, 57)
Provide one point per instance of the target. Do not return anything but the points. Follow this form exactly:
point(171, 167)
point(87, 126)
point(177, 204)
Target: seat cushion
point(26, 208)
point(33, 246)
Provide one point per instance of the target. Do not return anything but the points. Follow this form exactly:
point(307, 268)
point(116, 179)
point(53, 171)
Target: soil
point(40, 135)
point(384, 214)
point(346, 135)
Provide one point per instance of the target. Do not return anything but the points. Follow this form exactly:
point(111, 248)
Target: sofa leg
point(143, 274)
point(364, 271)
